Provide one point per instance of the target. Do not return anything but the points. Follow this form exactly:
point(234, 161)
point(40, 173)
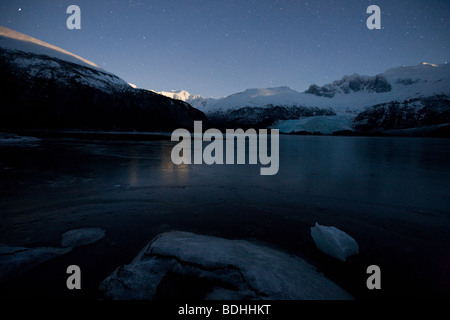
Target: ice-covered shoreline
point(17, 260)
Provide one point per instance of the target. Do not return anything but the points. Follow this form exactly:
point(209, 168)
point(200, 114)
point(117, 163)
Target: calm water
point(391, 194)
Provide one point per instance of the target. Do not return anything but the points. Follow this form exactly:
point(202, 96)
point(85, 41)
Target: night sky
point(215, 48)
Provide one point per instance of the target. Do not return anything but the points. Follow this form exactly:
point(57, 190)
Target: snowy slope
point(49, 88)
point(196, 101)
point(262, 97)
point(333, 106)
point(350, 94)
point(404, 114)
point(11, 39)
point(45, 61)
point(182, 95)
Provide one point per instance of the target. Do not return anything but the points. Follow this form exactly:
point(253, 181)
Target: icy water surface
point(391, 194)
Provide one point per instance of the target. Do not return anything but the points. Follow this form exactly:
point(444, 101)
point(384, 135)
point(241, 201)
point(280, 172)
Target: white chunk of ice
point(246, 270)
point(15, 260)
point(13, 139)
point(81, 236)
point(334, 242)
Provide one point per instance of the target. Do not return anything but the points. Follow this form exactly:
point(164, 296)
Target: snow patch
point(246, 270)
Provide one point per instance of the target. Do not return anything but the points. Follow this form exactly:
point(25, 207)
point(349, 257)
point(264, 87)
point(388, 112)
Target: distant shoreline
point(436, 131)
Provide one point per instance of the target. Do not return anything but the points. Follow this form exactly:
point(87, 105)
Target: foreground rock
point(238, 269)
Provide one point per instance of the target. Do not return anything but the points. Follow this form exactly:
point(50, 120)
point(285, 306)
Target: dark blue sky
point(215, 48)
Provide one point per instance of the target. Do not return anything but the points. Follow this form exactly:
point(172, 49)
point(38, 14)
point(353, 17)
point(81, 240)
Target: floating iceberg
point(16, 260)
point(238, 269)
point(334, 242)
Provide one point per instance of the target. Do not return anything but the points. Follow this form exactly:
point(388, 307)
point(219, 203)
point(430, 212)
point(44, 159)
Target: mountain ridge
point(8, 38)
point(46, 89)
point(339, 102)
point(386, 83)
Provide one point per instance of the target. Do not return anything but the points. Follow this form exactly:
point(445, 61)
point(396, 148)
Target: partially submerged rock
point(334, 242)
point(240, 270)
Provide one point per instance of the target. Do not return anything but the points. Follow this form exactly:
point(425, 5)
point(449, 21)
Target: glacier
point(340, 102)
point(322, 124)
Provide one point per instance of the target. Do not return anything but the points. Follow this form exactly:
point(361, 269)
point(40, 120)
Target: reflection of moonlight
point(170, 172)
point(133, 178)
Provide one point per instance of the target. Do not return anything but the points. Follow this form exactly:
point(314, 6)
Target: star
point(20, 9)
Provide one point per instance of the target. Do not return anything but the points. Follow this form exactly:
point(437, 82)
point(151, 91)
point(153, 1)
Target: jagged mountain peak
point(182, 95)
point(352, 83)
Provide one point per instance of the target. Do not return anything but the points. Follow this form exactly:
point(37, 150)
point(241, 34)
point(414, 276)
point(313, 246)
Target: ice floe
point(81, 237)
point(16, 260)
point(13, 139)
point(334, 242)
point(239, 270)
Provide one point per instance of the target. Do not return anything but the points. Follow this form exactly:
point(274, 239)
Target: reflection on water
point(171, 173)
point(389, 171)
point(391, 194)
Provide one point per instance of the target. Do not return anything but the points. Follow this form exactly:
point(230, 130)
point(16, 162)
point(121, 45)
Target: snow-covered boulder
point(237, 269)
point(334, 242)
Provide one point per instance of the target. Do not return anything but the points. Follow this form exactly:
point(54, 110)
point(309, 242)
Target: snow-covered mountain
point(14, 40)
point(333, 106)
point(351, 93)
point(48, 87)
point(43, 60)
point(412, 113)
point(197, 101)
point(182, 95)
